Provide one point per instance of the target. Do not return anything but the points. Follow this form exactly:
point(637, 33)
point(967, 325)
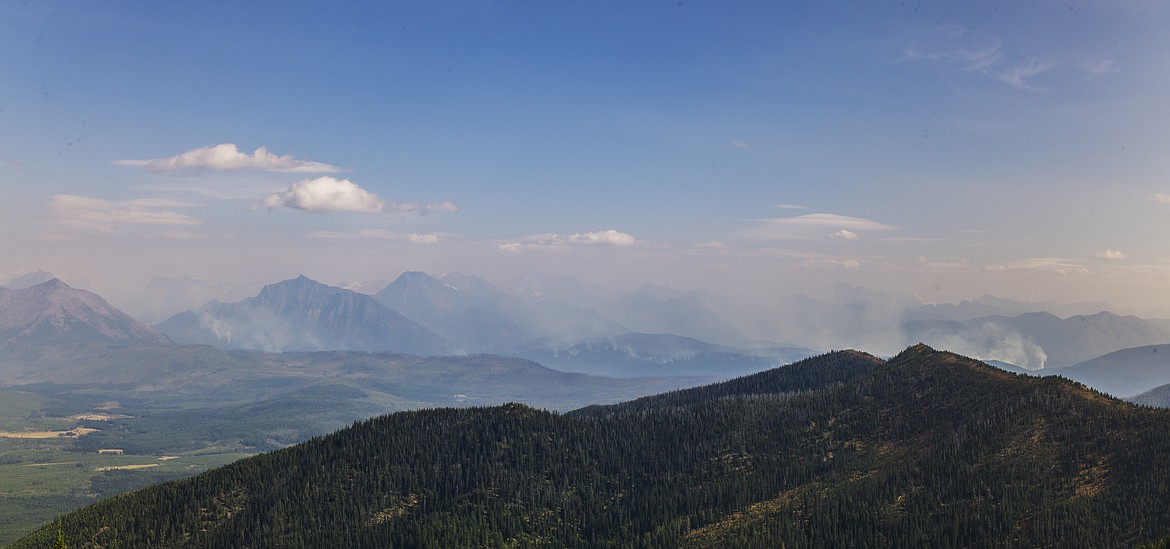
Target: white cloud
point(740, 145)
point(414, 238)
point(107, 215)
point(444, 206)
point(812, 226)
point(226, 157)
point(847, 264)
point(845, 234)
point(327, 194)
point(1161, 198)
point(791, 207)
point(511, 247)
point(1111, 254)
point(608, 236)
point(556, 242)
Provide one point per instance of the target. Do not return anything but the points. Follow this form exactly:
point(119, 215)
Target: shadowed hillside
point(928, 449)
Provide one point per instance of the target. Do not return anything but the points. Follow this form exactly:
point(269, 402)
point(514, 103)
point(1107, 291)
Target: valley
point(96, 403)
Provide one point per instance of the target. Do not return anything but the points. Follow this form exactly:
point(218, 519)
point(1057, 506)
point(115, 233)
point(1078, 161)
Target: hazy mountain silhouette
point(304, 315)
point(1034, 340)
point(472, 321)
point(1126, 372)
point(28, 280)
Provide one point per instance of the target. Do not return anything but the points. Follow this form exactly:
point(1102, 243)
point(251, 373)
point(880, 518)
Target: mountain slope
point(53, 314)
point(1126, 372)
point(473, 322)
point(929, 449)
point(635, 354)
point(303, 315)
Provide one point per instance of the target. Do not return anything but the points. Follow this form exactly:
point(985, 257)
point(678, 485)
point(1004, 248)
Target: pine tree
point(60, 538)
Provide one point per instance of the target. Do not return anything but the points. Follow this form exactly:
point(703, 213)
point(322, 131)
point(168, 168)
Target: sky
point(943, 150)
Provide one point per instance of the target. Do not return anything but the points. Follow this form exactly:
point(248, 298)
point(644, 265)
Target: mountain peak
point(302, 314)
point(914, 352)
point(52, 313)
point(29, 280)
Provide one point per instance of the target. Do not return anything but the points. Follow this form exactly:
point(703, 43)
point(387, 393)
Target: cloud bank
point(226, 157)
point(327, 194)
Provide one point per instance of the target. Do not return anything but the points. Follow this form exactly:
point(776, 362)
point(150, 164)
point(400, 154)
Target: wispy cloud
point(1055, 265)
point(845, 234)
point(1111, 254)
point(177, 235)
point(1161, 198)
point(331, 195)
point(740, 145)
point(233, 190)
point(444, 206)
point(815, 226)
point(791, 207)
point(846, 264)
point(1018, 76)
point(968, 51)
point(95, 214)
point(381, 234)
point(226, 157)
point(977, 59)
point(556, 242)
point(1098, 66)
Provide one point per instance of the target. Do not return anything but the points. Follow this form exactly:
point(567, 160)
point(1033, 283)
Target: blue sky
point(944, 150)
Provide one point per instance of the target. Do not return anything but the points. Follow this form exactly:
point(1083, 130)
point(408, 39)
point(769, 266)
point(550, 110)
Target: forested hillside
point(927, 449)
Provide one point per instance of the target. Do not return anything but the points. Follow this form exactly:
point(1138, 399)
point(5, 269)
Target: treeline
point(929, 449)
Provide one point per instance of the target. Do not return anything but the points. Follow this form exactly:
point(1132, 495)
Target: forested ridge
point(927, 449)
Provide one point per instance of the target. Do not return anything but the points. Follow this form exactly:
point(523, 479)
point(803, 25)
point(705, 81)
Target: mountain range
point(844, 449)
point(567, 324)
point(304, 315)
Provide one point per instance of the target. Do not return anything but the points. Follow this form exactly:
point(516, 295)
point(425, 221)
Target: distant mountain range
point(541, 318)
point(574, 326)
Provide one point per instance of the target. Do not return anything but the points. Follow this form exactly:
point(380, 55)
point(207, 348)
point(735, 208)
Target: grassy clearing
point(68, 433)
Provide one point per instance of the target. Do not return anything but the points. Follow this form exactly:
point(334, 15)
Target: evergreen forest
point(927, 449)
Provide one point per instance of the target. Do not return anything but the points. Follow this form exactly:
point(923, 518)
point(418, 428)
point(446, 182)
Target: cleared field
point(71, 433)
point(134, 467)
point(98, 416)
